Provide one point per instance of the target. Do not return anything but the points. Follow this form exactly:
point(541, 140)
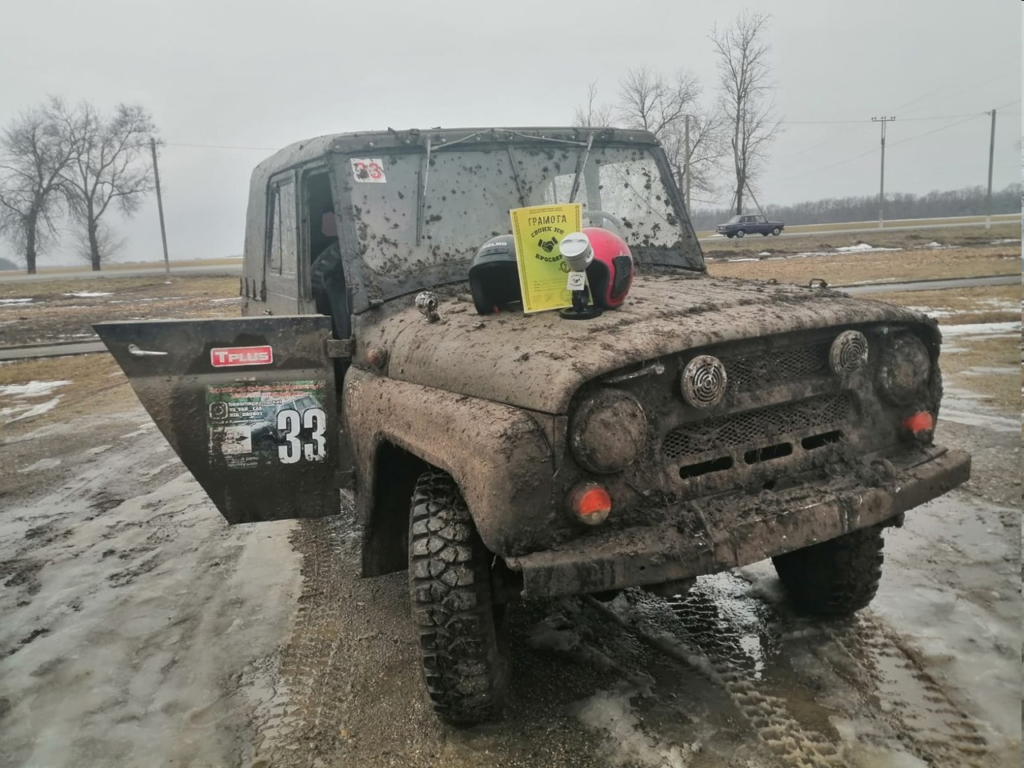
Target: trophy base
point(582, 314)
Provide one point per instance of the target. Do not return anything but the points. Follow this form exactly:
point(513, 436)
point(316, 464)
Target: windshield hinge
point(343, 348)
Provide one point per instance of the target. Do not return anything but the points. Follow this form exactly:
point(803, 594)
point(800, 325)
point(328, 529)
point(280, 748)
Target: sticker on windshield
point(368, 170)
point(280, 422)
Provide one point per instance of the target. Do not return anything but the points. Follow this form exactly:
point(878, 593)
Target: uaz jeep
point(706, 424)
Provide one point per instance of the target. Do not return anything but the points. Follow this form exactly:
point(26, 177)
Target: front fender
point(496, 453)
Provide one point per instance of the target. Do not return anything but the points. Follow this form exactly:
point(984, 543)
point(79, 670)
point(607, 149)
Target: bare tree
point(33, 157)
point(665, 106)
point(593, 115)
point(110, 165)
point(745, 96)
point(107, 244)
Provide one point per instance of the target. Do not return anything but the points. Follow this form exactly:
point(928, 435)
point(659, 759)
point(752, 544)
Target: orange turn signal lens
point(590, 503)
point(920, 425)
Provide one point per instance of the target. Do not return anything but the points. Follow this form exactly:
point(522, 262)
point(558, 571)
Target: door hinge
point(341, 347)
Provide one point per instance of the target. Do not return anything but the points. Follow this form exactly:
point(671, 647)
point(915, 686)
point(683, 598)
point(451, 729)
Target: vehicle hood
point(538, 361)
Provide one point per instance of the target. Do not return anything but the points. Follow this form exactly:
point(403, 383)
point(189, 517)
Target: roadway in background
point(233, 266)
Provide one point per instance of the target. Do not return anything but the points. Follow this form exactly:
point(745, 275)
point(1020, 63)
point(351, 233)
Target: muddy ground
point(138, 629)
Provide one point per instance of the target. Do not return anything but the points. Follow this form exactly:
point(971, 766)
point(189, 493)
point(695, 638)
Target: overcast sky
point(265, 74)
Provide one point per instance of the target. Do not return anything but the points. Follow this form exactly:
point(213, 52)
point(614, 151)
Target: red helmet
point(610, 274)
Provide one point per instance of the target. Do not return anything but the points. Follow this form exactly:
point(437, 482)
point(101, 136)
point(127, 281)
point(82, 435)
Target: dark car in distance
point(749, 224)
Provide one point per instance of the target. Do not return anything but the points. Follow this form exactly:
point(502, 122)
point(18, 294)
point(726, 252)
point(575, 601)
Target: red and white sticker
point(368, 170)
point(230, 357)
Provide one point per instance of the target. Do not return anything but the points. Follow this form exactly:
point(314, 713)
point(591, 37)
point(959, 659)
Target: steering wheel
point(620, 229)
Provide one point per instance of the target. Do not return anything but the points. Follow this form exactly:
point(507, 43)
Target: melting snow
point(1011, 328)
point(936, 313)
point(88, 294)
point(862, 248)
point(8, 414)
point(41, 464)
point(858, 248)
point(15, 301)
point(32, 389)
point(610, 711)
point(17, 408)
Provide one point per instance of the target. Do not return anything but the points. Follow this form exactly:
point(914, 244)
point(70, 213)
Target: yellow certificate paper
point(542, 272)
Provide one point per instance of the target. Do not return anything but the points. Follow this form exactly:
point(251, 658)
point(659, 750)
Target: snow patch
point(858, 248)
point(32, 389)
point(88, 294)
point(863, 248)
point(936, 313)
point(4, 302)
point(41, 464)
point(1010, 328)
point(610, 712)
point(16, 395)
point(226, 301)
point(8, 415)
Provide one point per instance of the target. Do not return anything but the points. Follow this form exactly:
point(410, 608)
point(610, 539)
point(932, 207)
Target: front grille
point(766, 369)
point(759, 426)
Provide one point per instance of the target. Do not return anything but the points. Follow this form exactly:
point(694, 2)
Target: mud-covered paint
point(539, 361)
point(734, 532)
point(174, 385)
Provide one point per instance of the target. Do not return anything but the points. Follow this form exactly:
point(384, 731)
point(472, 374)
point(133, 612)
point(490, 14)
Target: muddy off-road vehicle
point(705, 424)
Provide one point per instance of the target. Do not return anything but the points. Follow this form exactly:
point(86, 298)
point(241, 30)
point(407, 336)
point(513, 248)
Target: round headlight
point(849, 353)
point(904, 369)
point(703, 381)
point(608, 431)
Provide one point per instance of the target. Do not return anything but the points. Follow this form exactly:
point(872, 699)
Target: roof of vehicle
point(368, 141)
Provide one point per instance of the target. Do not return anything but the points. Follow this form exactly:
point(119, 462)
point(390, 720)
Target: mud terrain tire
point(463, 648)
point(834, 578)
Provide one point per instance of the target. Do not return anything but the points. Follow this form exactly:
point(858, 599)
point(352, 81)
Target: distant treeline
point(968, 201)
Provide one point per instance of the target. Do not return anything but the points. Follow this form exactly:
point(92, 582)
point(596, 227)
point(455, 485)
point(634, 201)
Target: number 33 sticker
point(304, 437)
point(368, 170)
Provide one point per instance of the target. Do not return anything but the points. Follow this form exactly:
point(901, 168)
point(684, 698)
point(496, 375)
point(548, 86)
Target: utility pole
point(881, 188)
point(991, 156)
point(686, 167)
point(159, 204)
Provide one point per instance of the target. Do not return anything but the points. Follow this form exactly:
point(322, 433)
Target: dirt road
point(139, 630)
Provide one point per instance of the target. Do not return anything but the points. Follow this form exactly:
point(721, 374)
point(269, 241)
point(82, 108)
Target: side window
point(282, 248)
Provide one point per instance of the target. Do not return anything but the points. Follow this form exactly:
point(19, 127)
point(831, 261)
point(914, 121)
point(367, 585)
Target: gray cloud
point(264, 74)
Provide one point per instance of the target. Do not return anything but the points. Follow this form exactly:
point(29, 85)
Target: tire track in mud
point(696, 633)
point(300, 718)
point(926, 720)
point(708, 631)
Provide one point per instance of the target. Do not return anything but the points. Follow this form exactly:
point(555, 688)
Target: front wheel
point(777, 231)
point(835, 578)
point(740, 233)
point(463, 647)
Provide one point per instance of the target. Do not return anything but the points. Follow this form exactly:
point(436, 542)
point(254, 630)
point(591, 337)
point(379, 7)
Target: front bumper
point(752, 531)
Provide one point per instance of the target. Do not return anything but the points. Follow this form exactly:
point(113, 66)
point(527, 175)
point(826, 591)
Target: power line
point(781, 122)
point(937, 130)
point(893, 144)
point(853, 122)
point(946, 89)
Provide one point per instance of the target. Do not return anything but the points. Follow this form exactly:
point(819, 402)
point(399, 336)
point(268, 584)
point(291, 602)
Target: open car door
point(248, 404)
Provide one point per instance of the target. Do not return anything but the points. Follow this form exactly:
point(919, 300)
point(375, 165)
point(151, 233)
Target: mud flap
point(248, 404)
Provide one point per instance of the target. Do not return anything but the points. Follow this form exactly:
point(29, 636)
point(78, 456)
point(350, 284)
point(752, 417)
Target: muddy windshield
point(419, 223)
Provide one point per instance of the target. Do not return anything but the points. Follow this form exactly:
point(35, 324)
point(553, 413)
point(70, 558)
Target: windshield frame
point(369, 289)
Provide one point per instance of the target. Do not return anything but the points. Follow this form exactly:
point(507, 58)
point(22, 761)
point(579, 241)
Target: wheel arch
point(497, 454)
